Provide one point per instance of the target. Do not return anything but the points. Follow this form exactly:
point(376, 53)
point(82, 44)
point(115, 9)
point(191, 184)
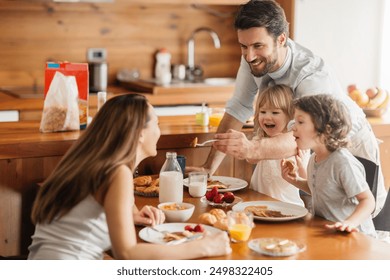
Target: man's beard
point(265, 70)
point(269, 64)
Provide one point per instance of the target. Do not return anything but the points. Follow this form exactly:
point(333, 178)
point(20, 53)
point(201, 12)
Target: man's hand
point(234, 143)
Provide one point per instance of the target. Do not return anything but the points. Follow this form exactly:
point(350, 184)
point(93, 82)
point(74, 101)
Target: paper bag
point(80, 72)
point(60, 109)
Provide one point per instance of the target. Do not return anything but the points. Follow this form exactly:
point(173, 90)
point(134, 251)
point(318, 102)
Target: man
point(270, 57)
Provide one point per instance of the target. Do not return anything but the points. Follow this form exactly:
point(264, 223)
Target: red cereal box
point(80, 71)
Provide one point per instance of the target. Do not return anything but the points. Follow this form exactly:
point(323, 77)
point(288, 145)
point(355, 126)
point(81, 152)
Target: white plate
point(285, 208)
point(223, 204)
point(234, 184)
point(254, 245)
point(152, 236)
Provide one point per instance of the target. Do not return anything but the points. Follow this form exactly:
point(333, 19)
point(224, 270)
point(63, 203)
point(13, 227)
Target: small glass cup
point(216, 116)
point(181, 159)
point(240, 224)
point(197, 183)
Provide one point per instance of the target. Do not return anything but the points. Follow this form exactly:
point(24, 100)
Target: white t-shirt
point(82, 234)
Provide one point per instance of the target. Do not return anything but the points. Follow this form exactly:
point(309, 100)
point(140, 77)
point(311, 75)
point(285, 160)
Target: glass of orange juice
point(215, 116)
point(240, 224)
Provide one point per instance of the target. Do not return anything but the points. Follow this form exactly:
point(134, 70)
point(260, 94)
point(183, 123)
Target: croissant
point(207, 219)
point(218, 213)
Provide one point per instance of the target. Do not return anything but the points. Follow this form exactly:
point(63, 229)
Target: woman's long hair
point(277, 96)
point(109, 141)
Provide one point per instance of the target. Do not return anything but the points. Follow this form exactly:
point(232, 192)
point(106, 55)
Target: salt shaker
point(171, 180)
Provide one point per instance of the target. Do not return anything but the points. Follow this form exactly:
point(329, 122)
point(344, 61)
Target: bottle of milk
point(171, 180)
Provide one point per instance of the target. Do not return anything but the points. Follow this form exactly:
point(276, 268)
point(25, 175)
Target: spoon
point(195, 143)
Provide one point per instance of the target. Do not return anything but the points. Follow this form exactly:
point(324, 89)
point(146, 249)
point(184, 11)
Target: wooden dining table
point(310, 231)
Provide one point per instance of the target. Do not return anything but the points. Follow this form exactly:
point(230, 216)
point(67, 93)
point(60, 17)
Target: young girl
point(274, 110)
point(335, 178)
point(87, 204)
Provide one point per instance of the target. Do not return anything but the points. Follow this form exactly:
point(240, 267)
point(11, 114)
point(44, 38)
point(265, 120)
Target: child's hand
point(345, 226)
point(287, 174)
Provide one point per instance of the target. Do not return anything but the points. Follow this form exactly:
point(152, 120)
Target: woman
point(87, 204)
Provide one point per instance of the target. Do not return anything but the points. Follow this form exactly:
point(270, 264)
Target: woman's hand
point(149, 216)
point(345, 226)
point(215, 244)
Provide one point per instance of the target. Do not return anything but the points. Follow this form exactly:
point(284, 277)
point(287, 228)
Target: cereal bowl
point(177, 212)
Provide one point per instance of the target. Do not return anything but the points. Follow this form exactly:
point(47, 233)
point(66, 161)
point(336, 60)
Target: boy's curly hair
point(330, 118)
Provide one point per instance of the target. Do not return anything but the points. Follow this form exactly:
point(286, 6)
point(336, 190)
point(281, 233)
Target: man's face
point(261, 51)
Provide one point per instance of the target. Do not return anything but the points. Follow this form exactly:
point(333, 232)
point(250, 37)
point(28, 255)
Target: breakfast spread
point(146, 186)
point(263, 211)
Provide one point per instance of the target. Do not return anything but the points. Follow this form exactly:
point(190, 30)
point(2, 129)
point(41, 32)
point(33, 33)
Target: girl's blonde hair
point(109, 141)
point(330, 118)
point(278, 97)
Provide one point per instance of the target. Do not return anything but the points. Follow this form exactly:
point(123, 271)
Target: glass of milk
point(197, 183)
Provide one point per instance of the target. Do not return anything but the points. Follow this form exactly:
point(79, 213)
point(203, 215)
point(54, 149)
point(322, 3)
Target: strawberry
point(199, 228)
point(209, 195)
point(214, 191)
point(228, 197)
point(189, 228)
point(218, 198)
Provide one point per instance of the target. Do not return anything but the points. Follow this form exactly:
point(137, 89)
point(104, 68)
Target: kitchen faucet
point(192, 71)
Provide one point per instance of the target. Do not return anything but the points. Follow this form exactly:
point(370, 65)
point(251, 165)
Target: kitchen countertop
point(23, 139)
point(18, 138)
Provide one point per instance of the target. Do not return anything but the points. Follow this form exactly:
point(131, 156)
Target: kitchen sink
point(219, 81)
